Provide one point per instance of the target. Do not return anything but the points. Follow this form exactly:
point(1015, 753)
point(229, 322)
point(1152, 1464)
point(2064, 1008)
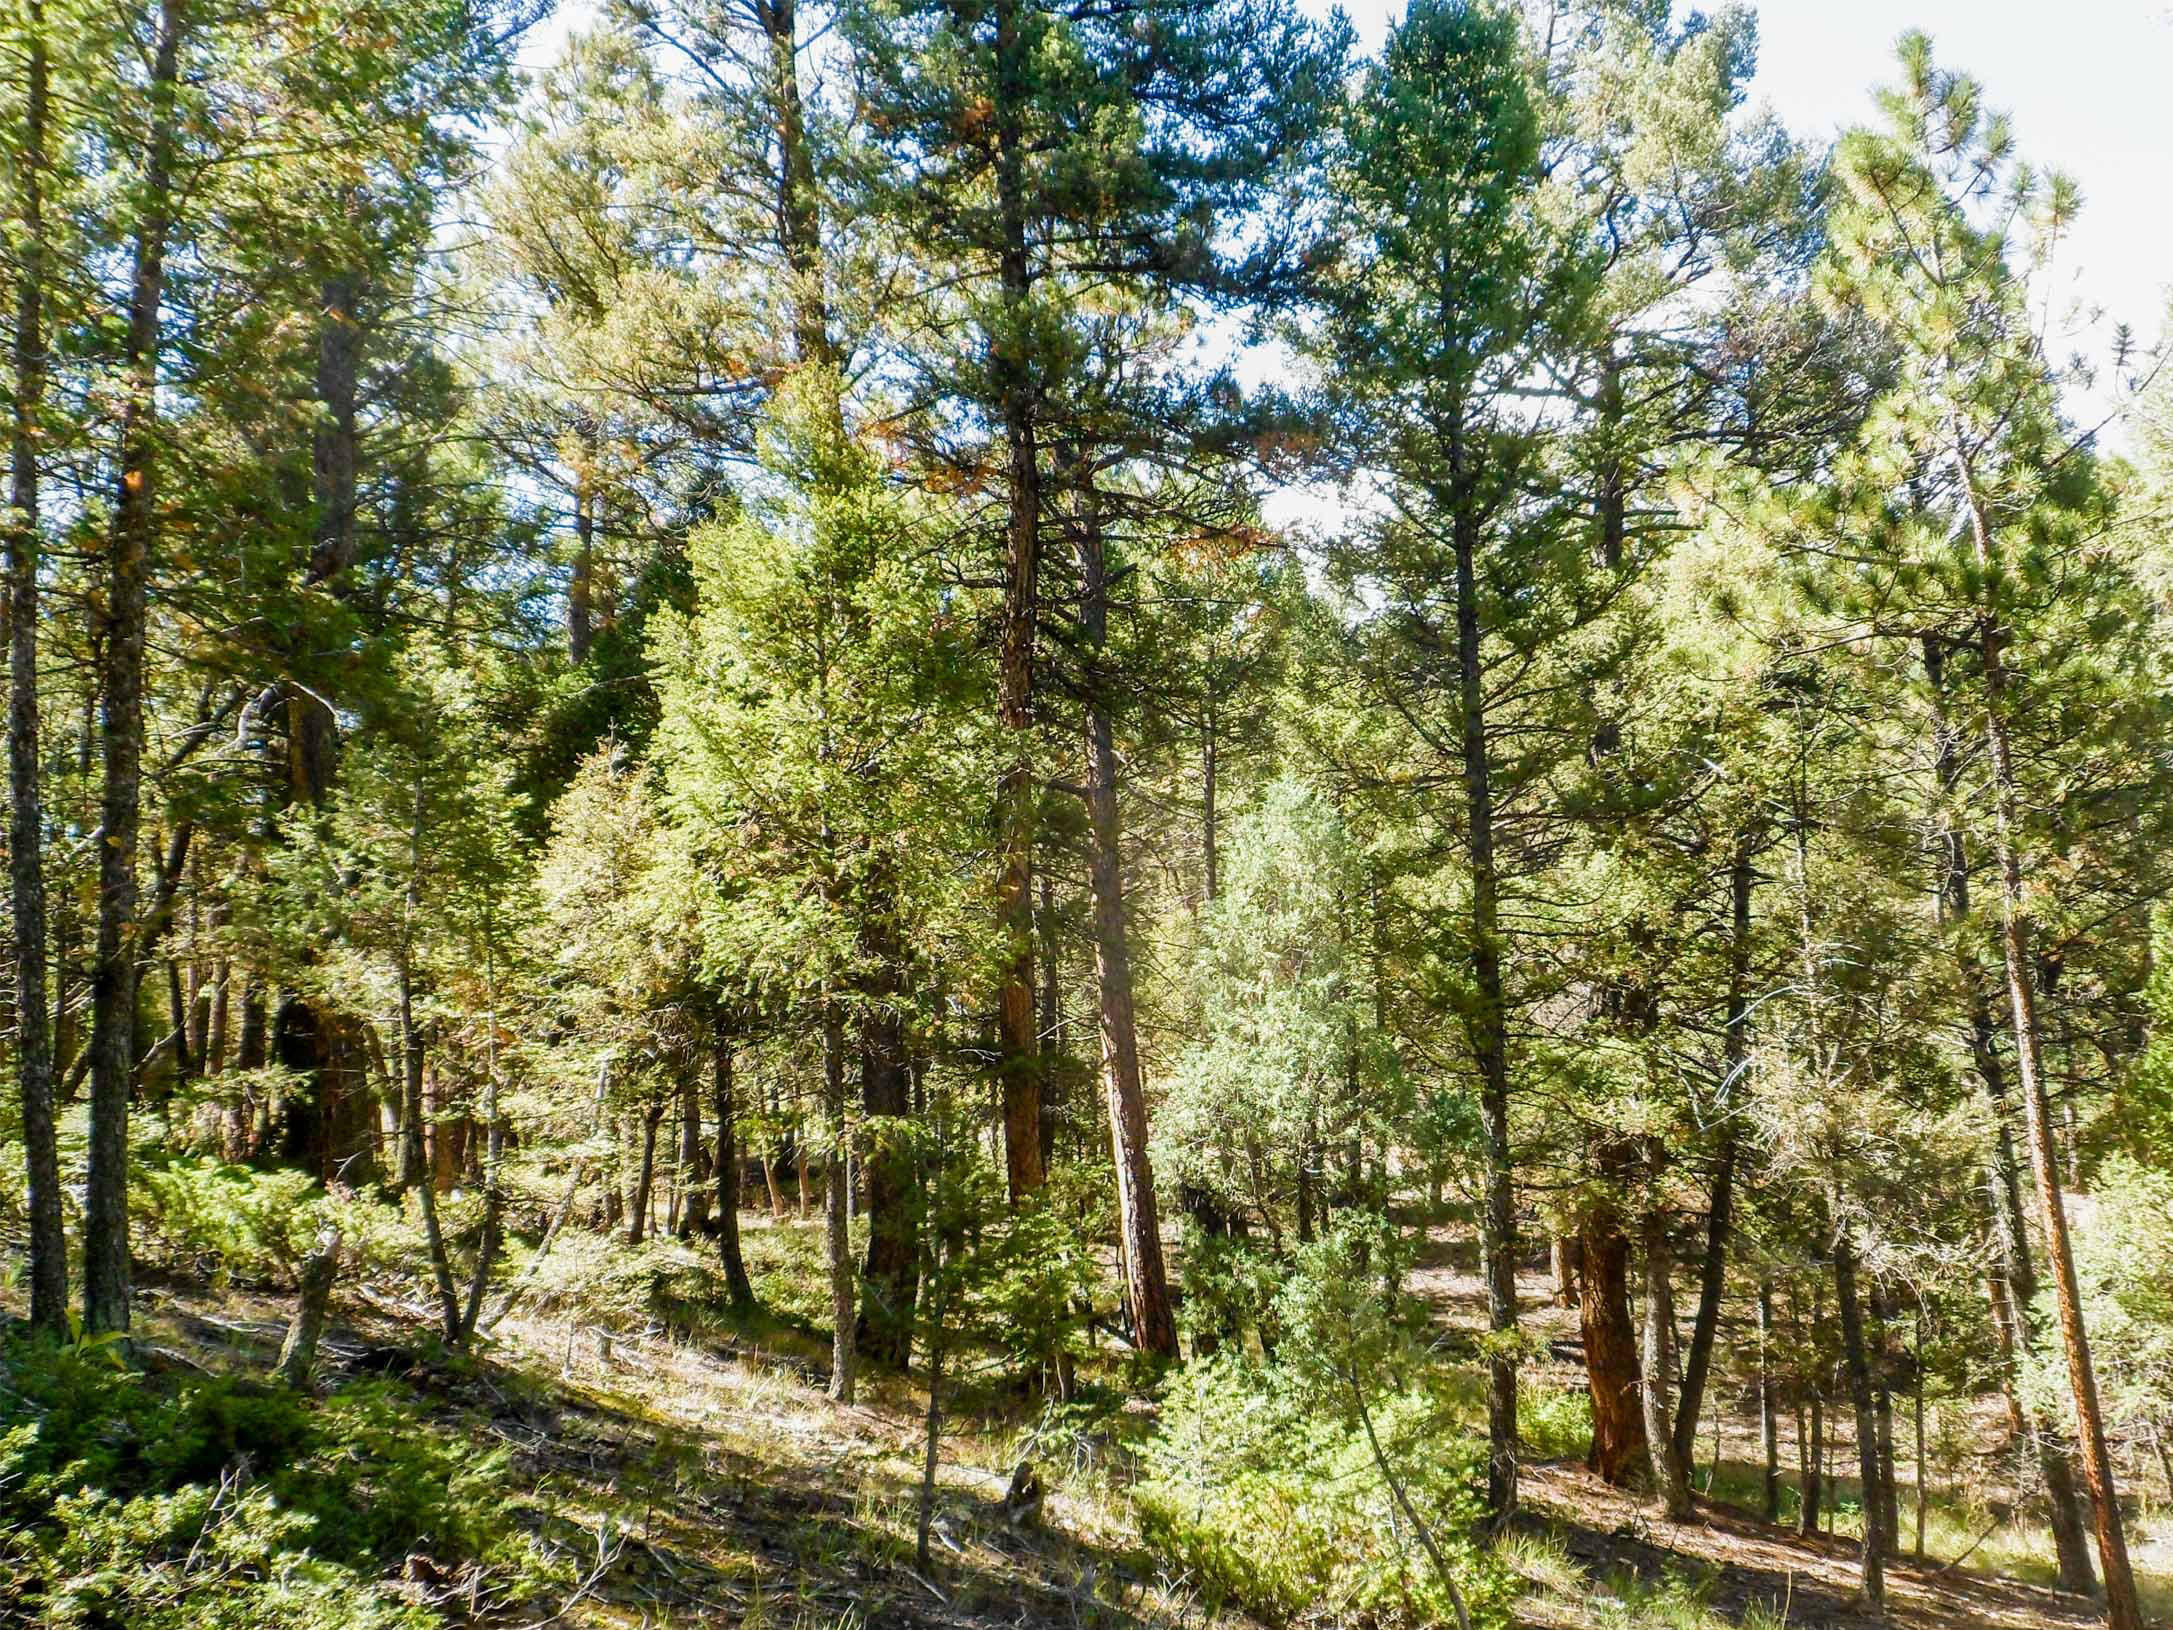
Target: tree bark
point(637, 1210)
point(1139, 1219)
point(1486, 1018)
point(890, 1274)
point(2123, 1611)
point(1768, 1425)
point(836, 1237)
point(1857, 1363)
point(135, 523)
point(1619, 1446)
point(26, 819)
point(1018, 405)
point(1655, 1383)
point(693, 1178)
point(1713, 1275)
point(736, 1283)
point(298, 1353)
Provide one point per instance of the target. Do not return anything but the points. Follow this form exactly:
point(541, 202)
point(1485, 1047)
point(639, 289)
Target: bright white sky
point(2089, 84)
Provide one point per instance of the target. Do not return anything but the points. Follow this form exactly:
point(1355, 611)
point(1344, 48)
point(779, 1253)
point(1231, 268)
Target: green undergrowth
point(206, 1502)
point(1281, 1509)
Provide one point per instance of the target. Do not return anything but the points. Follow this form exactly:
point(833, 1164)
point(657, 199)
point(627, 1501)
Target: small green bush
point(1278, 1506)
point(1554, 1423)
point(130, 1500)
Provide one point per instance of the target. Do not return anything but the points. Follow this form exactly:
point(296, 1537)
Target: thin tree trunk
point(693, 1180)
point(494, 1156)
point(1810, 1467)
point(736, 1283)
point(135, 524)
point(637, 1210)
point(1917, 1411)
point(298, 1353)
point(1139, 1219)
point(2017, 929)
point(1856, 1361)
point(836, 1237)
point(1668, 1469)
point(2123, 1611)
point(1052, 1025)
point(1713, 1276)
point(1562, 1254)
point(26, 820)
point(2015, 1289)
point(890, 1274)
point(1018, 409)
point(1882, 1409)
point(1768, 1424)
point(1486, 1019)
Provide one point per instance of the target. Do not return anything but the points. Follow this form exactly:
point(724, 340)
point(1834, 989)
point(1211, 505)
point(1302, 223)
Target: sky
point(2089, 84)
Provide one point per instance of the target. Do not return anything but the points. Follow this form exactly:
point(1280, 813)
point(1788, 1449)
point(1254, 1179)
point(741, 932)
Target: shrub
point(1290, 1485)
point(207, 1500)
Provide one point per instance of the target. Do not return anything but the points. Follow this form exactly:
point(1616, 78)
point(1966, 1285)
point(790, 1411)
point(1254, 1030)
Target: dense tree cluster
point(705, 631)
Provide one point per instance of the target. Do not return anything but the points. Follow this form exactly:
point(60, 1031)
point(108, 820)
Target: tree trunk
point(693, 1179)
point(1856, 1361)
point(135, 524)
point(26, 821)
point(836, 1237)
point(2123, 1611)
point(1562, 1256)
point(1138, 1217)
point(1052, 1025)
point(1810, 1466)
point(1619, 1446)
point(1656, 1382)
point(637, 1210)
point(890, 1275)
point(1713, 1275)
point(2017, 930)
point(1769, 1436)
point(1882, 1412)
point(2003, 1181)
point(1018, 409)
point(736, 1283)
point(1486, 1023)
point(318, 1272)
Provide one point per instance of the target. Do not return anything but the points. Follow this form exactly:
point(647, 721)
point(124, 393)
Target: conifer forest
point(963, 814)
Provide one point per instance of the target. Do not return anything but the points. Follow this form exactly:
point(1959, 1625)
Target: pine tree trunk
point(1019, 409)
point(1052, 1025)
point(890, 1274)
point(693, 1178)
point(2017, 930)
point(1620, 1450)
point(26, 820)
point(2123, 1611)
point(1486, 1020)
point(1811, 1467)
point(1713, 1275)
point(298, 1353)
point(1670, 1476)
point(736, 1283)
point(1768, 1422)
point(836, 1236)
point(2015, 1291)
point(637, 1208)
point(1882, 1410)
point(135, 523)
point(1857, 1363)
point(1139, 1219)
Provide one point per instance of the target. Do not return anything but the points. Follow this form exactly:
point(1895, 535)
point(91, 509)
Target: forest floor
point(692, 1476)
